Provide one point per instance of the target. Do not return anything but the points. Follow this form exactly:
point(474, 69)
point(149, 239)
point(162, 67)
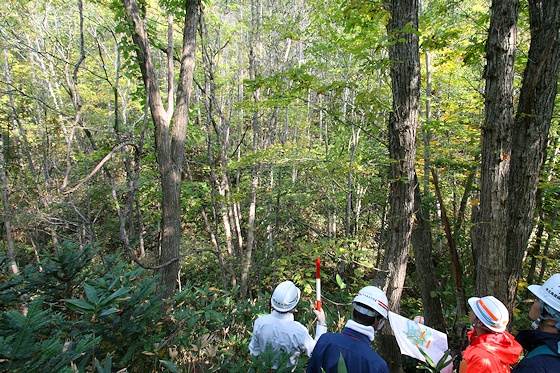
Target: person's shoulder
point(263, 318)
point(329, 337)
point(475, 352)
point(538, 364)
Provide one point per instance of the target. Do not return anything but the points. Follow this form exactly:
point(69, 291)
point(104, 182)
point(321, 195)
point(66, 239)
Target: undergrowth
point(83, 312)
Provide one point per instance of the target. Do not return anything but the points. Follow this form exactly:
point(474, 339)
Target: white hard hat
point(285, 297)
point(549, 292)
point(374, 298)
point(491, 312)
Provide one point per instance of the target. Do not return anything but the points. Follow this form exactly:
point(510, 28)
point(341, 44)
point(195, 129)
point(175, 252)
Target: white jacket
point(283, 333)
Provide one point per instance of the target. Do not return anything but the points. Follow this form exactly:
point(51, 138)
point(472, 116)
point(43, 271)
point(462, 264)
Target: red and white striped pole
point(318, 283)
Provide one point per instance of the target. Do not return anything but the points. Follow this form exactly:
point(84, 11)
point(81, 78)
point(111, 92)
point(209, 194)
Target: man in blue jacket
point(354, 342)
point(543, 343)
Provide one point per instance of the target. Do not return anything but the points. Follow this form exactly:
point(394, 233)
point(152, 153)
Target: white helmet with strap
point(549, 298)
point(285, 297)
point(374, 298)
point(491, 312)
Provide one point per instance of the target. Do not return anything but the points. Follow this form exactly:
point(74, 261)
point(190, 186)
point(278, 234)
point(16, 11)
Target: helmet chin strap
point(535, 324)
point(479, 324)
point(378, 322)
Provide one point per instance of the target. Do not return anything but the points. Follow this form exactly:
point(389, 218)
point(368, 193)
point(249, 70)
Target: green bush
point(77, 310)
point(83, 312)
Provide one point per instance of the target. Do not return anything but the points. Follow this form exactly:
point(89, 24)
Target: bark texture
point(170, 130)
point(403, 122)
point(496, 149)
point(530, 134)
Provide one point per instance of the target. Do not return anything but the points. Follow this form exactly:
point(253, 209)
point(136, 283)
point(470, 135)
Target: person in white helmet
point(492, 349)
point(370, 310)
point(279, 331)
point(543, 343)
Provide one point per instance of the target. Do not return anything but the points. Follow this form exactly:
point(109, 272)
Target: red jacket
point(491, 353)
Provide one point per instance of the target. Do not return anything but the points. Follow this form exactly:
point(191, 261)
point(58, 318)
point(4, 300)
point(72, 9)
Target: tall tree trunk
point(542, 219)
point(421, 239)
point(221, 128)
point(496, 150)
point(12, 264)
point(452, 246)
point(426, 132)
point(530, 132)
point(170, 130)
point(255, 46)
point(352, 192)
point(403, 122)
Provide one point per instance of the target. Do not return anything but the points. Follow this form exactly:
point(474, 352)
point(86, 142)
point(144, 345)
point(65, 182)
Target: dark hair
point(360, 318)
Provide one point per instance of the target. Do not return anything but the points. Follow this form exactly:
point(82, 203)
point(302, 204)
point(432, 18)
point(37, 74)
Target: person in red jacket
point(491, 348)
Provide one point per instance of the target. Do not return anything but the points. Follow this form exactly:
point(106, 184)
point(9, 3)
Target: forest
point(165, 164)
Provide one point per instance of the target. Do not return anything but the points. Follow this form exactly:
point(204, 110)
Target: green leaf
point(116, 294)
point(169, 365)
point(109, 311)
point(428, 359)
point(443, 362)
point(107, 364)
point(80, 305)
point(433, 367)
point(341, 367)
point(91, 294)
point(339, 281)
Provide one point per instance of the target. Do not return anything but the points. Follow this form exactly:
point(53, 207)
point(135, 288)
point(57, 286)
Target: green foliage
point(34, 341)
point(321, 77)
point(341, 366)
point(106, 366)
point(96, 304)
point(58, 277)
point(116, 319)
point(272, 361)
point(432, 366)
point(118, 315)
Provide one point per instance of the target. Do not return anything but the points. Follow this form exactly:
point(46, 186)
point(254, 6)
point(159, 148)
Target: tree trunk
point(452, 246)
point(422, 244)
point(530, 132)
point(12, 264)
point(220, 126)
point(247, 260)
point(535, 248)
point(403, 122)
point(170, 131)
point(496, 150)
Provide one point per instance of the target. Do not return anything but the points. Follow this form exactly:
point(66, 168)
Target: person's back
point(543, 352)
point(279, 333)
point(353, 343)
point(353, 346)
point(543, 343)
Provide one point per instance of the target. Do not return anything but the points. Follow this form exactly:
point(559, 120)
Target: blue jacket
point(542, 363)
point(354, 347)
